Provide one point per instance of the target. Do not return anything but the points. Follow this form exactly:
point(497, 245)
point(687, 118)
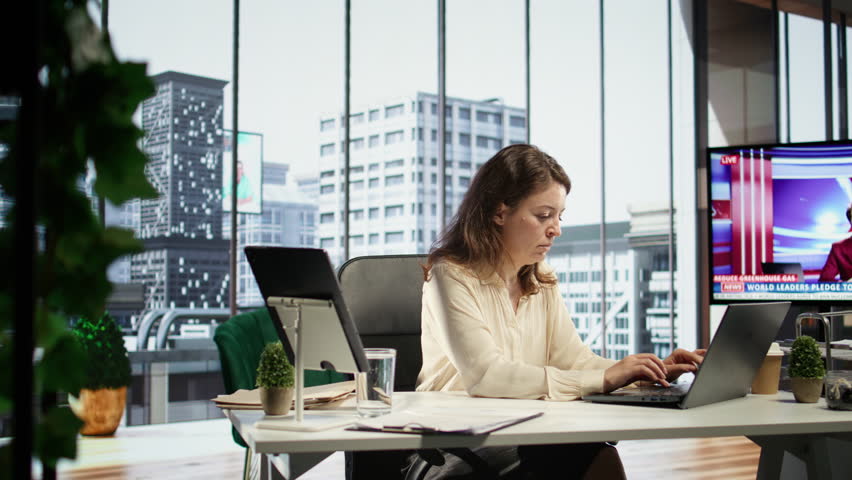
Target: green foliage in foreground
point(84, 101)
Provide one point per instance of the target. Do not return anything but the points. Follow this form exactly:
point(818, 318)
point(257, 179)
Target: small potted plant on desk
point(104, 394)
point(275, 380)
point(806, 370)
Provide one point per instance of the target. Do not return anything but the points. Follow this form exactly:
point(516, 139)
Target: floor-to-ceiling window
point(600, 75)
point(599, 103)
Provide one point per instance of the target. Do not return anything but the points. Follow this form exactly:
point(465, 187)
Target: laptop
point(730, 364)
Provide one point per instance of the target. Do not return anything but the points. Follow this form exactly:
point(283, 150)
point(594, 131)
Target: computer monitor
point(775, 211)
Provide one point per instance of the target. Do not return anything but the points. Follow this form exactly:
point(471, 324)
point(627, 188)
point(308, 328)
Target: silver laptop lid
point(736, 352)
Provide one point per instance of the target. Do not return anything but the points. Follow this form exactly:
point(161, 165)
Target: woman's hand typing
point(641, 366)
point(648, 367)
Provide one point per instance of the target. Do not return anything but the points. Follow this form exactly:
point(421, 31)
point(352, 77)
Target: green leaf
point(62, 368)
point(49, 328)
point(56, 435)
point(121, 241)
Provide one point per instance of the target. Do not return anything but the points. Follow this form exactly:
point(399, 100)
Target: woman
point(493, 321)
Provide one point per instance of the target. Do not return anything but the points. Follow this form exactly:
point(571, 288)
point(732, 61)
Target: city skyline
point(284, 92)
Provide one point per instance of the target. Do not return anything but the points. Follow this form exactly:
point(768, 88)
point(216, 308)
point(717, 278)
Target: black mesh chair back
point(383, 294)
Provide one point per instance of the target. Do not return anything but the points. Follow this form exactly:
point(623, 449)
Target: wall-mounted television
point(775, 213)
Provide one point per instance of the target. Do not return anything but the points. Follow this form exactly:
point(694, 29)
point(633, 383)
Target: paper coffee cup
point(767, 378)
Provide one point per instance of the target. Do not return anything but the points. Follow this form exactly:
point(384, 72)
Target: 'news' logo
point(733, 287)
point(730, 159)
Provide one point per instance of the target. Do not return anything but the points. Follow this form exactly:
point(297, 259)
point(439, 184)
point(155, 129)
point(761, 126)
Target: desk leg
point(771, 460)
point(289, 466)
point(269, 470)
point(816, 457)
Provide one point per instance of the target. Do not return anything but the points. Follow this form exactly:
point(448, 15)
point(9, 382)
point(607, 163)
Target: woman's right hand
point(641, 366)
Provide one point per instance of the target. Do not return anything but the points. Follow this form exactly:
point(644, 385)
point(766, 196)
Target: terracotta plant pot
point(277, 400)
point(806, 390)
point(100, 410)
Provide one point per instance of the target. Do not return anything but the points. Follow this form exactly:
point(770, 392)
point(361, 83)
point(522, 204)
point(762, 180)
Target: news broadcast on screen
point(778, 221)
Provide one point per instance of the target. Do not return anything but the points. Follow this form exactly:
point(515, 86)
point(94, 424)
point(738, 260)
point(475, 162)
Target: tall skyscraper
point(394, 172)
point(185, 263)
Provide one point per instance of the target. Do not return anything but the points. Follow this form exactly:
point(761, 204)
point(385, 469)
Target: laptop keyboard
point(677, 390)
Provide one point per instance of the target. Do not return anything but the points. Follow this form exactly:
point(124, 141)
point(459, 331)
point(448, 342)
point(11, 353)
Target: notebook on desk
point(729, 366)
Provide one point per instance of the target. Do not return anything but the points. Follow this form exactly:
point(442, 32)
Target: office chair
point(240, 341)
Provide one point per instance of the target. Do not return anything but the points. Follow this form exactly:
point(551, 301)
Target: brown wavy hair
point(473, 238)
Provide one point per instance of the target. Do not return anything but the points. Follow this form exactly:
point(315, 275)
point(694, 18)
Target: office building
point(637, 283)
point(575, 256)
point(309, 186)
point(394, 173)
point(185, 262)
point(656, 319)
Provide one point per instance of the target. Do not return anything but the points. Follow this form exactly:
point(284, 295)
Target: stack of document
point(444, 421)
point(318, 397)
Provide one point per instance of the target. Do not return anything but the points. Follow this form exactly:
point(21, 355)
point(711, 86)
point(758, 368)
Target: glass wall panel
point(565, 98)
point(392, 132)
point(185, 265)
point(565, 121)
point(685, 177)
point(637, 178)
point(285, 94)
point(806, 82)
point(184, 124)
point(486, 91)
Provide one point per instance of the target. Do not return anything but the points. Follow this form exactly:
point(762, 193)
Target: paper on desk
point(320, 396)
point(444, 421)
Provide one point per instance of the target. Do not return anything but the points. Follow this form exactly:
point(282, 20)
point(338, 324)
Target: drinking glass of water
point(374, 388)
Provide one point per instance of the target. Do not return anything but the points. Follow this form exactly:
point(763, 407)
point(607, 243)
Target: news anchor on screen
point(839, 260)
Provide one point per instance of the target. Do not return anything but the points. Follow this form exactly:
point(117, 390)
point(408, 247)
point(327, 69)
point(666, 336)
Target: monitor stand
point(299, 421)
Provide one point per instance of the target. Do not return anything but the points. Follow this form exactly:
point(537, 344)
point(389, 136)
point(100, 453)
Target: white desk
point(811, 432)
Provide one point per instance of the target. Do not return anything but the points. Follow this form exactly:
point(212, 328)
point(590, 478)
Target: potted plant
point(806, 370)
point(275, 380)
point(100, 404)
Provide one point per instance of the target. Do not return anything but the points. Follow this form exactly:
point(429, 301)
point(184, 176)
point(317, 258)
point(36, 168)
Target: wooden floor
point(205, 450)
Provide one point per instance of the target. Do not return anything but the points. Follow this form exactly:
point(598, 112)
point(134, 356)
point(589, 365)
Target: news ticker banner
point(776, 286)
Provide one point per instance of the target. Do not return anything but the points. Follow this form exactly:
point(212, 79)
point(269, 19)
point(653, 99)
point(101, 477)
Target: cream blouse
point(473, 340)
